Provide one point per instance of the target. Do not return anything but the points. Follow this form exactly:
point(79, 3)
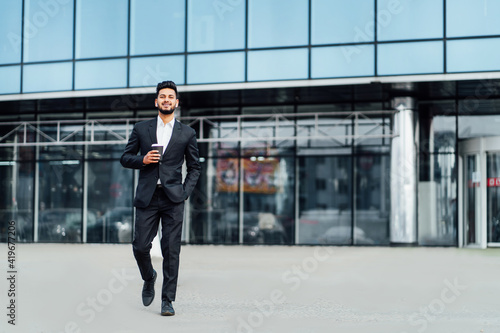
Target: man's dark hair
point(166, 84)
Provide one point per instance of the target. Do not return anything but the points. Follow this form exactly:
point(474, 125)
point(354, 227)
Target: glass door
point(493, 198)
point(472, 200)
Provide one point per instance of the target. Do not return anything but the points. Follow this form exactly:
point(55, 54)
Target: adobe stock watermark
point(429, 313)
point(36, 22)
point(88, 309)
point(222, 7)
point(293, 279)
point(366, 34)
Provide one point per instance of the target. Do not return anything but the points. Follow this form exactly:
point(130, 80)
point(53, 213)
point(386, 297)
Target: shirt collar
point(160, 122)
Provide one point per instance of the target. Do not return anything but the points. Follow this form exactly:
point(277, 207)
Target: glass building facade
point(363, 122)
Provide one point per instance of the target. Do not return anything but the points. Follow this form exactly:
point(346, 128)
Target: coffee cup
point(158, 147)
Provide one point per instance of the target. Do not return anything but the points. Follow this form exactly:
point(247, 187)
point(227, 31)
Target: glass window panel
point(216, 25)
point(437, 200)
point(410, 58)
point(472, 18)
point(325, 194)
point(101, 28)
point(145, 72)
point(268, 200)
point(10, 79)
point(147, 23)
point(277, 23)
point(110, 209)
point(101, 74)
point(48, 77)
point(48, 30)
point(16, 201)
point(473, 55)
point(10, 31)
point(372, 199)
point(478, 126)
point(408, 19)
point(342, 61)
point(278, 65)
point(60, 204)
point(217, 67)
point(339, 21)
point(493, 197)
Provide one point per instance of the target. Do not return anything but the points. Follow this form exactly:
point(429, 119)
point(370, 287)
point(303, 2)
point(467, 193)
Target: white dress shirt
point(164, 133)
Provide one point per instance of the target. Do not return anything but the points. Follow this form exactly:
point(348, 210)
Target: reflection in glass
point(61, 196)
point(148, 19)
point(101, 28)
point(48, 29)
point(325, 201)
point(17, 188)
point(278, 65)
point(216, 25)
point(110, 212)
point(215, 203)
point(338, 21)
point(342, 61)
point(148, 71)
point(56, 76)
point(268, 199)
point(10, 32)
point(372, 199)
point(407, 19)
point(471, 55)
point(493, 197)
point(277, 23)
point(410, 58)
point(101, 74)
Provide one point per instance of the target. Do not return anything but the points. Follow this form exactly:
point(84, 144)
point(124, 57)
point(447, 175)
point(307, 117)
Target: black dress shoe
point(166, 308)
point(148, 290)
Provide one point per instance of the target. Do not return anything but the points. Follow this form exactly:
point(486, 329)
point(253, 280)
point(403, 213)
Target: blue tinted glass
point(157, 26)
point(101, 74)
point(10, 79)
point(10, 31)
point(342, 61)
point(216, 25)
point(278, 65)
point(409, 19)
point(146, 72)
point(217, 67)
point(473, 55)
point(277, 23)
point(410, 58)
point(48, 30)
point(47, 77)
point(340, 21)
point(101, 28)
point(472, 18)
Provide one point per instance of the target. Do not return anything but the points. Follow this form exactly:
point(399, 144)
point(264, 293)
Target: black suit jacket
point(182, 145)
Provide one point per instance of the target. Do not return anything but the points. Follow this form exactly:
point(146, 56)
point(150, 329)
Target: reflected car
point(114, 226)
point(342, 235)
point(258, 228)
point(62, 225)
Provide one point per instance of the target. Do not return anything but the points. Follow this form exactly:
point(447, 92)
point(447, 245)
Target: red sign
point(494, 182)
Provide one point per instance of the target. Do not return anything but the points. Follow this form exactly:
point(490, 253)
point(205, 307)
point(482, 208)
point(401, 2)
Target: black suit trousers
point(146, 227)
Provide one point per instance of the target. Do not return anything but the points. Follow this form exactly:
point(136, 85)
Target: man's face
point(167, 101)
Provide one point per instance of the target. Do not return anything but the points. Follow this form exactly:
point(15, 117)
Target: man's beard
point(167, 112)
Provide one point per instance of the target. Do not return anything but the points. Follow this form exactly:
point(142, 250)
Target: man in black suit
point(161, 192)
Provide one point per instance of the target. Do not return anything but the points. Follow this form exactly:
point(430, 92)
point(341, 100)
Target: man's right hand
point(153, 156)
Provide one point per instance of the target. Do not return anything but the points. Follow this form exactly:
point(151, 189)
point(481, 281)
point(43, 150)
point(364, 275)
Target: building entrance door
point(479, 216)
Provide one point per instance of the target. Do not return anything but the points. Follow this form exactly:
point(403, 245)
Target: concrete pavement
point(268, 289)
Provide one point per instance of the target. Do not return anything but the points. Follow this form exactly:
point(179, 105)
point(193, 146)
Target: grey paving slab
point(267, 289)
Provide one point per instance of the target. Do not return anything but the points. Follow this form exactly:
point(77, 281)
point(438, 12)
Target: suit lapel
point(176, 131)
point(152, 130)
